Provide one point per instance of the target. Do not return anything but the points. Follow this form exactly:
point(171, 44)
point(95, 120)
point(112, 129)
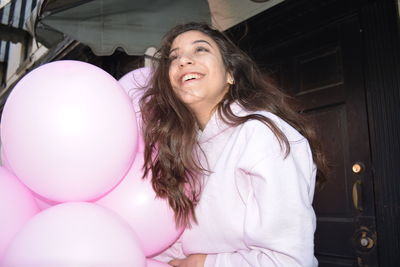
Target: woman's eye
point(201, 49)
point(172, 57)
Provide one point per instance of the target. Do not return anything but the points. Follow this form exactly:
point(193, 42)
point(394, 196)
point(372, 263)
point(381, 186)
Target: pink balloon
point(69, 131)
point(151, 218)
point(154, 263)
point(4, 160)
point(17, 206)
point(135, 84)
point(75, 234)
point(41, 202)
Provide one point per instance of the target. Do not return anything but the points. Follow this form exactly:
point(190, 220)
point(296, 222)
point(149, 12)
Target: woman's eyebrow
point(201, 41)
point(194, 42)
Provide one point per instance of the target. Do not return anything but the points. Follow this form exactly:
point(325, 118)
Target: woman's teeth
point(190, 77)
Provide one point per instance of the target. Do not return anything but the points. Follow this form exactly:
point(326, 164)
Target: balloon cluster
point(71, 187)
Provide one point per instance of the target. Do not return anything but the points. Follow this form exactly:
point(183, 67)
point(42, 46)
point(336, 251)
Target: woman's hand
point(194, 260)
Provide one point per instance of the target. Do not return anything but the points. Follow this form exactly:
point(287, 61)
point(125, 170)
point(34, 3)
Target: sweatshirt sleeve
point(279, 221)
point(175, 251)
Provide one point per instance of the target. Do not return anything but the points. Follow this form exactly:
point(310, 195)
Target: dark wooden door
point(323, 69)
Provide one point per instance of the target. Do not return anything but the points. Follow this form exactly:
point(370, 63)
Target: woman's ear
point(230, 79)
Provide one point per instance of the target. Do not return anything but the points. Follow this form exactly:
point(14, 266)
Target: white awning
point(133, 25)
point(105, 25)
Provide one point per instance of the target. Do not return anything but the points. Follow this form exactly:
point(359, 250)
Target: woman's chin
point(190, 99)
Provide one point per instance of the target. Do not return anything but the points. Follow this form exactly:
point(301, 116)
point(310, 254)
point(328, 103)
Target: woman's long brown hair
point(170, 128)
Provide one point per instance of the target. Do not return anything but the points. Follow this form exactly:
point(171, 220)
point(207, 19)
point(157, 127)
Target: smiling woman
point(236, 163)
point(197, 73)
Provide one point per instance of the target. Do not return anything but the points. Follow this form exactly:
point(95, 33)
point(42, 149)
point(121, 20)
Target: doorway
point(323, 70)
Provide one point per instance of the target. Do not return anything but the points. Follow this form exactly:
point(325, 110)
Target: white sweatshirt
point(255, 207)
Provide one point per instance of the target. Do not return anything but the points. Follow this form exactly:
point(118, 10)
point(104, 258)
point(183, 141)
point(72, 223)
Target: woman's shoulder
point(261, 142)
point(289, 131)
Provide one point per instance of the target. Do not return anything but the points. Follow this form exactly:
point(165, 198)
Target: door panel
point(323, 70)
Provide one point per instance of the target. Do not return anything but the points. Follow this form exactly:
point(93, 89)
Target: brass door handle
point(356, 194)
point(366, 241)
point(358, 167)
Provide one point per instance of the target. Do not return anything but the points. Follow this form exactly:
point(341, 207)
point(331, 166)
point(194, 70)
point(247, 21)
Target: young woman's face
point(197, 72)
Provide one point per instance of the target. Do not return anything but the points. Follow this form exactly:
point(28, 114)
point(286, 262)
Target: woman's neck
point(203, 115)
point(202, 119)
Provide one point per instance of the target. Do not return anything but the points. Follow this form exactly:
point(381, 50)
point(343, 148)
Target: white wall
point(227, 13)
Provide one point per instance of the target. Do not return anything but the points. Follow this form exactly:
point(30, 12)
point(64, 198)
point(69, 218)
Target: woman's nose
point(185, 60)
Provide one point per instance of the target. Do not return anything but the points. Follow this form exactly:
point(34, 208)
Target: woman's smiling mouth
point(190, 77)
